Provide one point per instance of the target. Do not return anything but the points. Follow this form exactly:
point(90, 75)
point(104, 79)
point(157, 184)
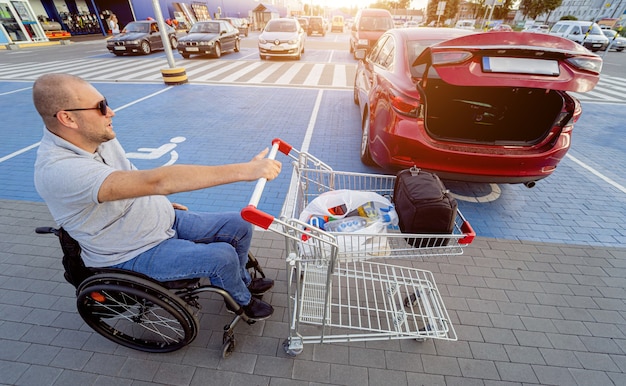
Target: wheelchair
point(138, 312)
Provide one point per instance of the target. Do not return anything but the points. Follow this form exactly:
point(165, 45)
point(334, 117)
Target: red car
point(483, 107)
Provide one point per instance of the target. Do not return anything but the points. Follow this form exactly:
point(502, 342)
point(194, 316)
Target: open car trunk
point(505, 88)
point(490, 115)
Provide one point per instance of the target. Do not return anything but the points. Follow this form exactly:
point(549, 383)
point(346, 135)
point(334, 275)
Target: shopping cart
point(341, 287)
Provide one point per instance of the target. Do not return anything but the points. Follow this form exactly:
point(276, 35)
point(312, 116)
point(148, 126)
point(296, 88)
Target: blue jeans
point(210, 245)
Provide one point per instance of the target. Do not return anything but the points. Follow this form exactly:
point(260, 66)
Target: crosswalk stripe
point(340, 75)
point(221, 70)
point(290, 74)
point(314, 75)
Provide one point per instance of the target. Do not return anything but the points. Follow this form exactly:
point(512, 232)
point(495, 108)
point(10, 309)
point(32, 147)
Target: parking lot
point(538, 298)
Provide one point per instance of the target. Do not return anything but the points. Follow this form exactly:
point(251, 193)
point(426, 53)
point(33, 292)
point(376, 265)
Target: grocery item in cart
point(424, 206)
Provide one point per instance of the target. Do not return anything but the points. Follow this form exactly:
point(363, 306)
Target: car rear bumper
point(465, 163)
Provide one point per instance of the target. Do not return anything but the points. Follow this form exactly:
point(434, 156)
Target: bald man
point(121, 216)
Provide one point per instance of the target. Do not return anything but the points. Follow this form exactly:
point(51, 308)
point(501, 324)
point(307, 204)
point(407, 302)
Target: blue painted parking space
point(583, 202)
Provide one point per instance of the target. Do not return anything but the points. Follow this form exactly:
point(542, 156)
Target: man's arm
point(183, 178)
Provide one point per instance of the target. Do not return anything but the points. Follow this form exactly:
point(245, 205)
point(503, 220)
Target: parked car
point(304, 23)
point(240, 24)
point(586, 33)
point(471, 106)
point(316, 26)
point(540, 28)
point(282, 37)
point(337, 24)
point(466, 24)
point(501, 28)
point(140, 37)
point(616, 42)
point(369, 25)
point(209, 37)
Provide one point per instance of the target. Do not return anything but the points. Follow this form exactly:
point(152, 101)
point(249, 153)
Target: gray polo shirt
point(69, 178)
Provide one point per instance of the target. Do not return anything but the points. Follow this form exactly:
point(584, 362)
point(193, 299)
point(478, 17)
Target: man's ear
point(66, 119)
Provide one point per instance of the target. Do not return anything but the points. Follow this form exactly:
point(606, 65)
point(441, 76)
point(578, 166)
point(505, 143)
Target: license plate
point(315, 31)
point(520, 65)
point(119, 48)
point(192, 49)
point(277, 48)
point(597, 44)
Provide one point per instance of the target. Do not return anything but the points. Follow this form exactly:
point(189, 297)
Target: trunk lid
point(512, 59)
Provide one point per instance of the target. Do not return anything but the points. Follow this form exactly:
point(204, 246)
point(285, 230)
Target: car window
point(281, 26)
point(154, 27)
point(205, 28)
point(373, 23)
point(385, 57)
point(136, 27)
point(376, 49)
point(575, 30)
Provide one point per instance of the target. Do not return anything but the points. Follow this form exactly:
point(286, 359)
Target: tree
point(534, 8)
point(450, 12)
point(392, 4)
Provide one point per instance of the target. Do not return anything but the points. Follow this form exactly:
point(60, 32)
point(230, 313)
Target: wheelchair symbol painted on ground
point(150, 153)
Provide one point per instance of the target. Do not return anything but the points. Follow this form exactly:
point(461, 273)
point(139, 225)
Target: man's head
point(73, 109)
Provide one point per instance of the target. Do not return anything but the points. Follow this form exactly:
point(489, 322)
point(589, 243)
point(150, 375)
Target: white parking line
point(27, 148)
point(597, 173)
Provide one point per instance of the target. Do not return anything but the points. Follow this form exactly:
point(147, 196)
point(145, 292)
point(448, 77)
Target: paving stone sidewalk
point(524, 312)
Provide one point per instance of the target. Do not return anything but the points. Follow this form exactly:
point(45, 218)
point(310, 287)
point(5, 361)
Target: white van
point(576, 30)
point(466, 24)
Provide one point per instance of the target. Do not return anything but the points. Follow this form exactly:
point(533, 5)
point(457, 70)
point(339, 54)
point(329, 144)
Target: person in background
point(114, 26)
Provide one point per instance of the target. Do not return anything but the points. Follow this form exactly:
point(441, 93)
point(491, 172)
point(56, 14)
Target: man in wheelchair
point(121, 217)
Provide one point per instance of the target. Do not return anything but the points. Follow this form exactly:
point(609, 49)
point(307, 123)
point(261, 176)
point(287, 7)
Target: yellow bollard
point(174, 76)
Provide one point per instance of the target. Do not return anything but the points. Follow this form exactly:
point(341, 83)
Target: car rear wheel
point(237, 45)
point(145, 48)
point(173, 42)
point(218, 50)
point(366, 157)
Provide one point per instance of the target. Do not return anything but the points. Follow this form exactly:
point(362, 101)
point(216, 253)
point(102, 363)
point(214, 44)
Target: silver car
point(282, 37)
point(616, 42)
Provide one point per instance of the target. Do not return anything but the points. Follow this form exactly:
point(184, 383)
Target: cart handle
point(250, 213)
point(469, 233)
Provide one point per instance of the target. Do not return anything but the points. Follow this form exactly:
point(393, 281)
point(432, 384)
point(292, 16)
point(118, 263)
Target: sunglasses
point(102, 106)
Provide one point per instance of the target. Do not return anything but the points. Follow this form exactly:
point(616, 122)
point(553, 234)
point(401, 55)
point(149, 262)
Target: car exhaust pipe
point(530, 184)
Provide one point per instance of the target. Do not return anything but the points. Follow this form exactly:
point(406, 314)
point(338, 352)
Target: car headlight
point(206, 43)
point(262, 41)
point(293, 41)
point(132, 42)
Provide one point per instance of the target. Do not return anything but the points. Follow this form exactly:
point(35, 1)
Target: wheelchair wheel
point(136, 313)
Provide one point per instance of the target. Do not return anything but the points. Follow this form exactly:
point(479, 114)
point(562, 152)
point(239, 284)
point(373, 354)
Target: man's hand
point(264, 167)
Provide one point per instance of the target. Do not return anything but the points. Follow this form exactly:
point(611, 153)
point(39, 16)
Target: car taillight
point(591, 64)
point(404, 104)
point(450, 57)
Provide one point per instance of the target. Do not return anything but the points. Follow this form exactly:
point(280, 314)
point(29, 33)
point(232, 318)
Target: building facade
point(25, 21)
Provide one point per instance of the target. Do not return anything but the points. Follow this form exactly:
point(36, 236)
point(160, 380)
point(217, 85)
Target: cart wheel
point(228, 343)
point(292, 352)
point(228, 347)
point(411, 300)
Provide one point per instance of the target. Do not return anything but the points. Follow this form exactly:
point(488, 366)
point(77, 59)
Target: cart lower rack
point(341, 286)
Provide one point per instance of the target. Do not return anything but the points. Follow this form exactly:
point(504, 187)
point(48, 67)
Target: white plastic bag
point(348, 200)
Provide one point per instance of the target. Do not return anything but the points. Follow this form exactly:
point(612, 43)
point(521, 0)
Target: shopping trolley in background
point(341, 286)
